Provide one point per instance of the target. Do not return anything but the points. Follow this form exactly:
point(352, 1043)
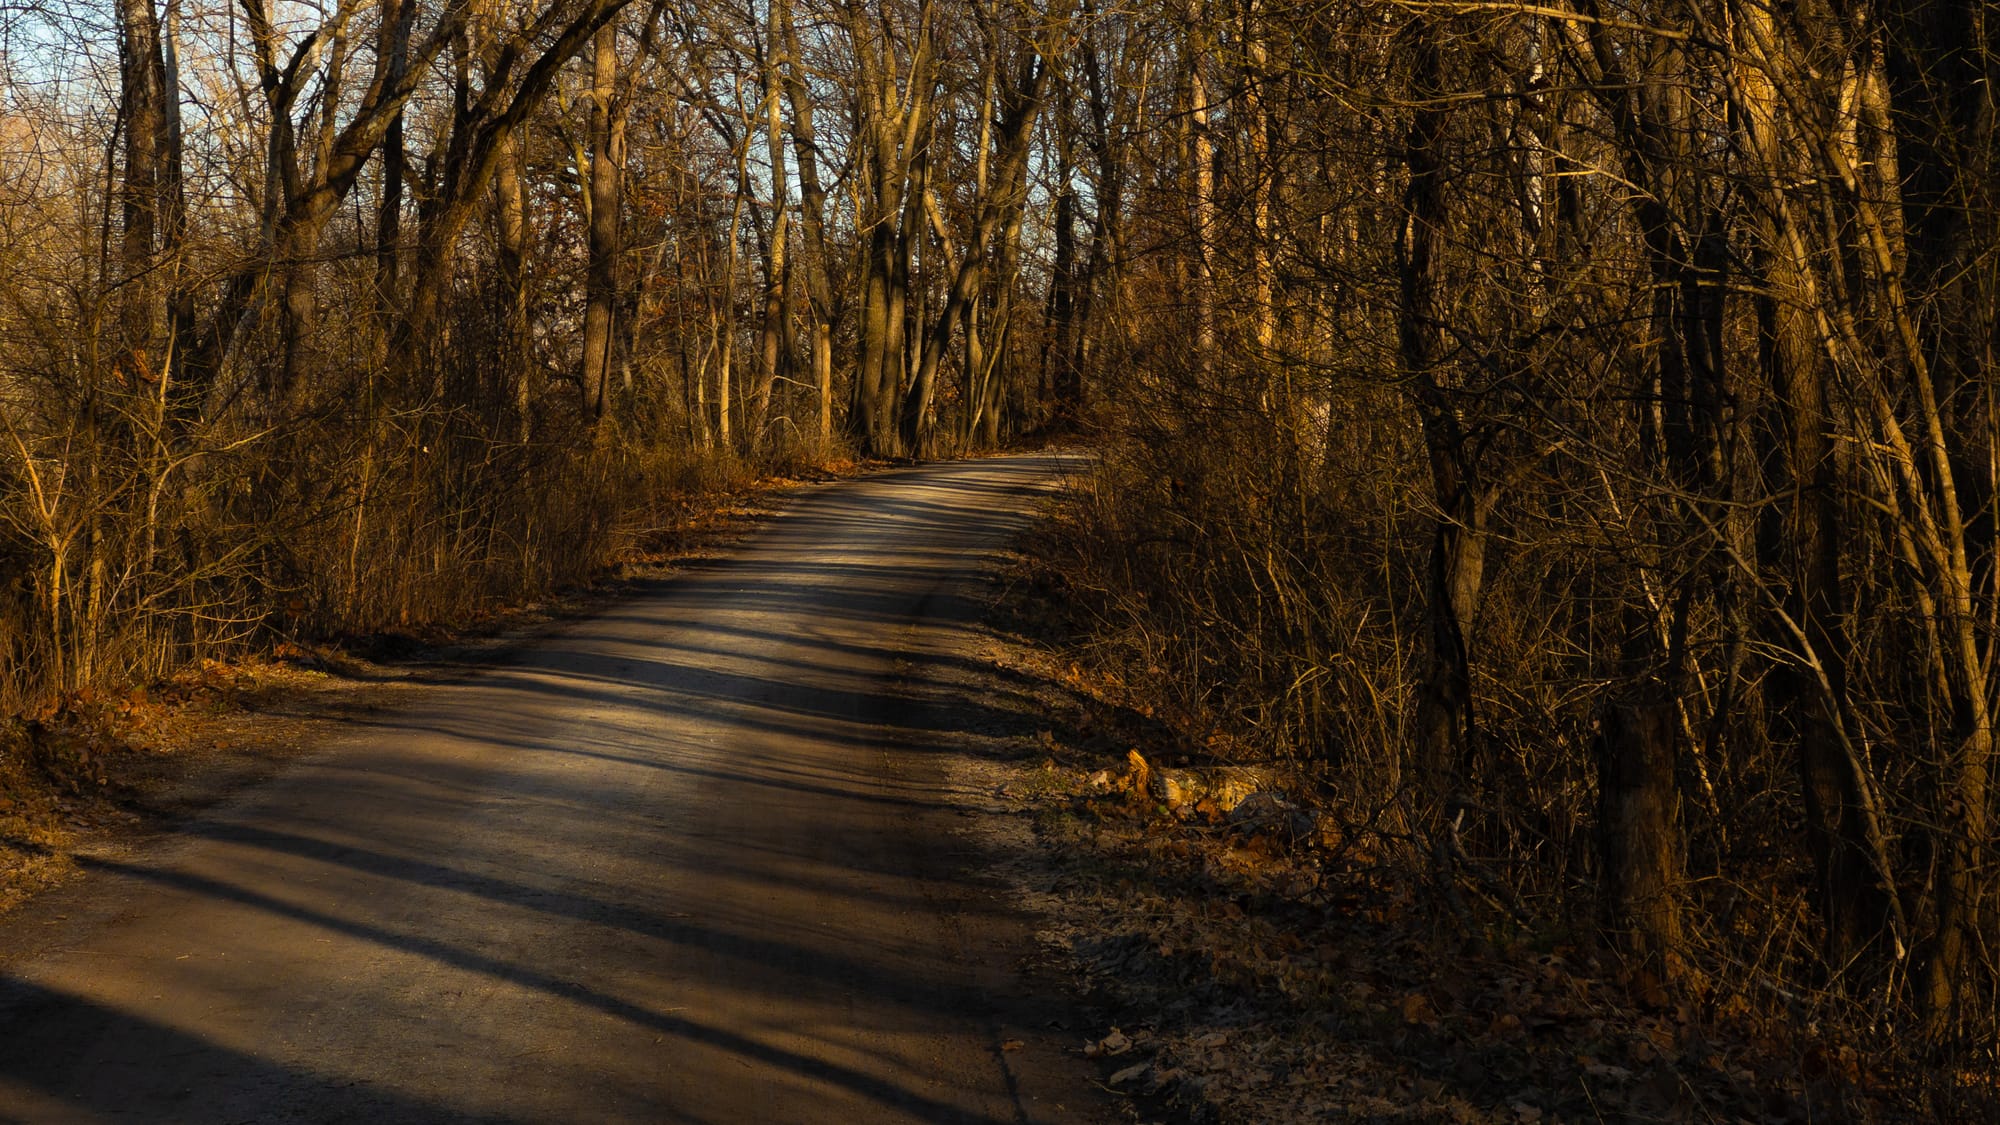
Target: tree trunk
point(511, 231)
point(1444, 734)
point(775, 345)
point(812, 218)
point(393, 46)
point(1006, 193)
point(1852, 887)
point(607, 161)
point(1201, 161)
point(1059, 353)
point(150, 193)
point(1639, 832)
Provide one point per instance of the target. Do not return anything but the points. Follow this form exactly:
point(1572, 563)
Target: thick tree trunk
point(1262, 173)
point(1850, 862)
point(1850, 892)
point(393, 46)
point(812, 217)
point(776, 335)
point(892, 116)
point(1202, 216)
point(723, 325)
point(878, 307)
point(885, 289)
point(1103, 264)
point(1639, 832)
point(1000, 375)
point(1444, 734)
point(1676, 381)
point(1059, 353)
point(511, 229)
point(607, 161)
point(149, 194)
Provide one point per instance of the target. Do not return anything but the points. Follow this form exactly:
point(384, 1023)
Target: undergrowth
point(1363, 969)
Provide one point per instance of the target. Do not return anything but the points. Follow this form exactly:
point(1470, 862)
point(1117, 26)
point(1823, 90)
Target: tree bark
point(812, 217)
point(1456, 575)
point(1639, 834)
point(607, 162)
point(1202, 215)
point(150, 192)
point(511, 229)
point(1005, 193)
point(776, 337)
point(1852, 887)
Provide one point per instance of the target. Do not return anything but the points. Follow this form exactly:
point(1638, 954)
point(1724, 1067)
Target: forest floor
point(111, 769)
point(1262, 967)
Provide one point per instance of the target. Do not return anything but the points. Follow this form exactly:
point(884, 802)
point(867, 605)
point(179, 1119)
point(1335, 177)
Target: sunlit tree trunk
point(812, 216)
point(775, 333)
point(1854, 893)
point(607, 162)
point(151, 189)
point(1201, 188)
point(511, 229)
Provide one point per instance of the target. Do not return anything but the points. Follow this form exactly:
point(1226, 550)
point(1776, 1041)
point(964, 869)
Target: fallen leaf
point(1113, 1044)
point(1417, 1008)
point(1129, 1073)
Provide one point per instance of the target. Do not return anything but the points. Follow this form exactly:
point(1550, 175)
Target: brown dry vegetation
point(1295, 959)
point(1560, 437)
point(320, 323)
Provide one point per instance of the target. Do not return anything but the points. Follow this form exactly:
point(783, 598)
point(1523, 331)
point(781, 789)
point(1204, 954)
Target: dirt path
point(697, 858)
